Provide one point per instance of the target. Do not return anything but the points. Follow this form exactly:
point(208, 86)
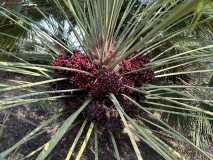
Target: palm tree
point(115, 78)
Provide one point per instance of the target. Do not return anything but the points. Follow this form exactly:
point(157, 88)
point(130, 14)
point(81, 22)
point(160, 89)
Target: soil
point(15, 129)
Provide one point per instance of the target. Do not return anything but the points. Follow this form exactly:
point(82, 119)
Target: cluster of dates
point(99, 85)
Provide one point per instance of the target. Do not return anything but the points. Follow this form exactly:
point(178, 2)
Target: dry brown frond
point(108, 52)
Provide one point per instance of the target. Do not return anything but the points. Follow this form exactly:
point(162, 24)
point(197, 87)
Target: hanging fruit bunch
point(100, 85)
